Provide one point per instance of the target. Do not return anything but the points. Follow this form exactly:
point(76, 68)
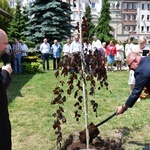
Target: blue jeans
point(17, 63)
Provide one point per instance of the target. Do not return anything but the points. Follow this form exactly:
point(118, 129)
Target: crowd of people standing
point(14, 54)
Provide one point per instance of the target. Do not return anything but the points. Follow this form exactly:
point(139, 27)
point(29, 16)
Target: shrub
point(32, 67)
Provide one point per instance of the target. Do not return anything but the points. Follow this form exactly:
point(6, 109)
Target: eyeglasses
point(131, 62)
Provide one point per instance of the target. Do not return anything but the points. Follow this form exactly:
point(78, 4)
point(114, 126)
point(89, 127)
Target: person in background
point(142, 50)
point(128, 47)
point(6, 56)
point(119, 55)
point(110, 52)
point(45, 50)
point(140, 65)
point(87, 49)
point(96, 44)
point(75, 49)
point(16, 49)
point(66, 48)
point(24, 49)
point(76, 46)
point(103, 52)
point(5, 79)
point(56, 49)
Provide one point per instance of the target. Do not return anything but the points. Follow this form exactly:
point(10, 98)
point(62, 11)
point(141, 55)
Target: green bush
point(32, 67)
point(30, 44)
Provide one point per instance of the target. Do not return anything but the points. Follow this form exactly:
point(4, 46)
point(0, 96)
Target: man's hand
point(8, 68)
point(121, 109)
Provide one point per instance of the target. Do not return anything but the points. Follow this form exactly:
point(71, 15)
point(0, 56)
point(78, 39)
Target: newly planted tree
point(90, 77)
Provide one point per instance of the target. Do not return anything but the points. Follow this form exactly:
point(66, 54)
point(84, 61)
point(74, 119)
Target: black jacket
point(142, 79)
point(5, 127)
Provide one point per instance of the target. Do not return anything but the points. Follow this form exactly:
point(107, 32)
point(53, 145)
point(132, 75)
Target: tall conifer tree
point(103, 29)
point(91, 26)
point(17, 25)
point(50, 19)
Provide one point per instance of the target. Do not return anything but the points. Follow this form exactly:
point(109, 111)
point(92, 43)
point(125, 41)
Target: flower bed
point(30, 59)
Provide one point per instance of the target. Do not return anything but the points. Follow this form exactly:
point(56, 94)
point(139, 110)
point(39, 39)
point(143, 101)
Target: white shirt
point(128, 48)
point(45, 48)
point(96, 45)
point(66, 48)
point(75, 47)
point(24, 49)
point(8, 49)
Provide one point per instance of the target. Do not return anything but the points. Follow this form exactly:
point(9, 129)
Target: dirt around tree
point(73, 143)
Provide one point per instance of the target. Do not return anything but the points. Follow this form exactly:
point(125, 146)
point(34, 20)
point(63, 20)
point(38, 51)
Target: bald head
point(133, 60)
point(3, 41)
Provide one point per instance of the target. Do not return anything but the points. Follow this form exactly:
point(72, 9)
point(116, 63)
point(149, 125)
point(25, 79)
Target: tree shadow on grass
point(127, 131)
point(18, 81)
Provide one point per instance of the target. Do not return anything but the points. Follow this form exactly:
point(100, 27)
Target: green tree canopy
point(91, 26)
point(49, 19)
point(17, 25)
point(3, 19)
point(102, 30)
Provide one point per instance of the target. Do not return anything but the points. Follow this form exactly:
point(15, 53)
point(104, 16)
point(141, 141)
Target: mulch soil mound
point(73, 143)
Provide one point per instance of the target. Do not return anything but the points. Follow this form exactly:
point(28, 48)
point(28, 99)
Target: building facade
point(136, 18)
point(130, 18)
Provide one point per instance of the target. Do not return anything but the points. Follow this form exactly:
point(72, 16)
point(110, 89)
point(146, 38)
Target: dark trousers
point(45, 58)
point(54, 62)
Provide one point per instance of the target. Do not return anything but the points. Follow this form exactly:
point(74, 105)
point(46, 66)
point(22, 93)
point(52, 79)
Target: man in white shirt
point(45, 50)
point(66, 48)
point(96, 44)
point(76, 46)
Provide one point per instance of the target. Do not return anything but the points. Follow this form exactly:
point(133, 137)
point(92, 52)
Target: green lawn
point(31, 112)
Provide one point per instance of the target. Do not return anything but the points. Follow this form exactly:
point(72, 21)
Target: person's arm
point(138, 88)
point(5, 75)
point(41, 48)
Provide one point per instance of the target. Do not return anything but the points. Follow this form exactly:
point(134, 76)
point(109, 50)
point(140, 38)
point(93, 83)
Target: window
point(12, 4)
point(124, 5)
point(134, 5)
point(129, 17)
point(86, 5)
point(93, 5)
point(148, 6)
point(112, 5)
point(124, 17)
point(142, 28)
point(117, 5)
point(142, 18)
point(134, 28)
point(148, 28)
point(129, 5)
point(20, 3)
point(143, 6)
point(134, 17)
point(148, 17)
point(129, 28)
point(125, 27)
point(74, 16)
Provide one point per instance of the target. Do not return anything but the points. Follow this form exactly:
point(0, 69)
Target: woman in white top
point(119, 55)
point(128, 47)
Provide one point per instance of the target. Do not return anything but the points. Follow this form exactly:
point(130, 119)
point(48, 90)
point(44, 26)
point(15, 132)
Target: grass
point(31, 112)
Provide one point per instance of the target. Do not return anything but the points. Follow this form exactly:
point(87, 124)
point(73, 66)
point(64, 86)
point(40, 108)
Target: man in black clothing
point(141, 66)
point(5, 79)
